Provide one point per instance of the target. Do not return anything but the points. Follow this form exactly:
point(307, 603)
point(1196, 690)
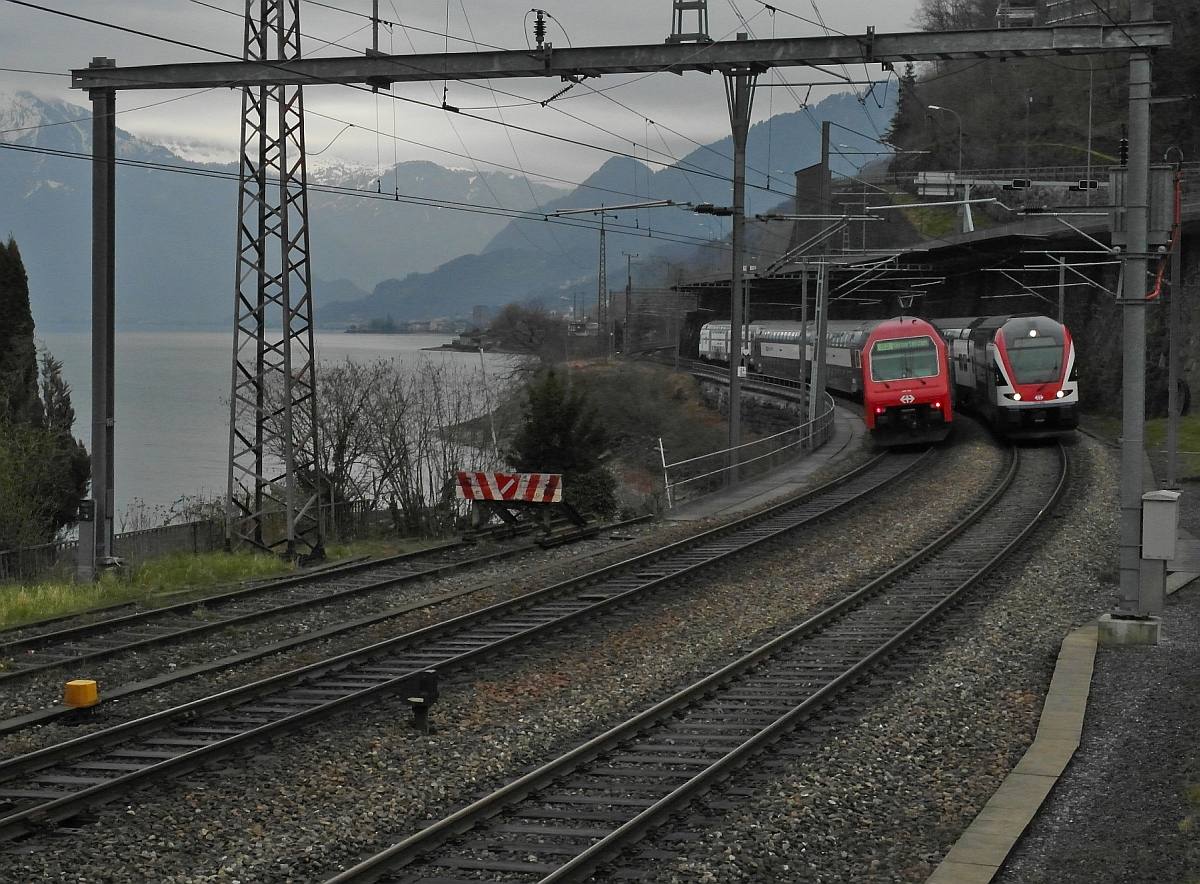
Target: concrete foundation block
point(1116, 632)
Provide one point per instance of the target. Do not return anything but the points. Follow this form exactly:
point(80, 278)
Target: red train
point(906, 382)
point(898, 366)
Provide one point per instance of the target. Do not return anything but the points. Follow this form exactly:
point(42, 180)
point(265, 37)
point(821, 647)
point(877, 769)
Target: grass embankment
point(165, 575)
point(640, 404)
point(1108, 428)
point(933, 222)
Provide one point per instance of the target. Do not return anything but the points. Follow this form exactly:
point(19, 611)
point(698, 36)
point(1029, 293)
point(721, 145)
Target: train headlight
point(1016, 397)
point(1060, 394)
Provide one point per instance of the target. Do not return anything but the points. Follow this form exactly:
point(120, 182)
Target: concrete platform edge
point(982, 849)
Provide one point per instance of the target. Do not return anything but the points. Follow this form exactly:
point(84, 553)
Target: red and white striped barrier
point(527, 487)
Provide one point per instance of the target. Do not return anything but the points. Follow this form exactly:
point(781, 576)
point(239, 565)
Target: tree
point(73, 465)
point(44, 470)
point(529, 328)
point(18, 353)
point(956, 15)
point(561, 434)
point(908, 120)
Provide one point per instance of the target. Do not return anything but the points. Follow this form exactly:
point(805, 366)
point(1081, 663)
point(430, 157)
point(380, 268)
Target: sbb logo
point(908, 399)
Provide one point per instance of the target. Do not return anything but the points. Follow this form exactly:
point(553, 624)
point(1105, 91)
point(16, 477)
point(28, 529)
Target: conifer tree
point(561, 434)
point(44, 469)
point(18, 354)
point(908, 120)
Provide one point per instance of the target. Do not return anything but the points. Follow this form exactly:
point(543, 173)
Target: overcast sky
point(684, 110)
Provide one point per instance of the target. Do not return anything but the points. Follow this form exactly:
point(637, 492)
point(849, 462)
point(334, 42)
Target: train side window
point(998, 377)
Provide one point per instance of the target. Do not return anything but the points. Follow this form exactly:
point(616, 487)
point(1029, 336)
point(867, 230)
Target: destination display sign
point(898, 344)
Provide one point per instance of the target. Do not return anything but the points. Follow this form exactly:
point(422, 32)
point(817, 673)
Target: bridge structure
point(272, 72)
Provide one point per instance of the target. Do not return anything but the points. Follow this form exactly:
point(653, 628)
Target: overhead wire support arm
point(725, 56)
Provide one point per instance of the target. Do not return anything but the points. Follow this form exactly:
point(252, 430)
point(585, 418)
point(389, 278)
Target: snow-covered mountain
point(176, 233)
point(535, 258)
point(374, 251)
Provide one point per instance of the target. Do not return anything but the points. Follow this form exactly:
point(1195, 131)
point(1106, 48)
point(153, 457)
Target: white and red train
point(1015, 372)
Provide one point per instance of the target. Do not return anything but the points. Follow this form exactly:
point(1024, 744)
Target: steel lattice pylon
point(274, 489)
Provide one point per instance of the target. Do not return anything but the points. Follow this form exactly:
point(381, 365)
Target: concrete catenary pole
point(1174, 354)
point(629, 256)
point(1134, 309)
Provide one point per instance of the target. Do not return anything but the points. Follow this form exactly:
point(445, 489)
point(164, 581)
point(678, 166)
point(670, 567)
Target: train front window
point(901, 358)
point(1035, 360)
point(1035, 349)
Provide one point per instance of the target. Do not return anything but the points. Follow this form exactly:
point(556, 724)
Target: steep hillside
point(558, 259)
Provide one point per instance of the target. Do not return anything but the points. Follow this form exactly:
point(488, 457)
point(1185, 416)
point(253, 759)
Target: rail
point(775, 450)
point(644, 772)
point(33, 794)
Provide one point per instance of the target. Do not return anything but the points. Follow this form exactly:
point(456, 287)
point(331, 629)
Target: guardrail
point(696, 476)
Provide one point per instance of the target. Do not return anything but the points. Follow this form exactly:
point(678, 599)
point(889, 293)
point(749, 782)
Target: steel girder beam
point(594, 61)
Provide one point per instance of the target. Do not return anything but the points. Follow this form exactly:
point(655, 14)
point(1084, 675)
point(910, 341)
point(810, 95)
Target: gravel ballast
point(312, 803)
point(882, 797)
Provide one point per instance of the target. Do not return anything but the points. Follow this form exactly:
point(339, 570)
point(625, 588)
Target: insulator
point(539, 27)
point(1123, 153)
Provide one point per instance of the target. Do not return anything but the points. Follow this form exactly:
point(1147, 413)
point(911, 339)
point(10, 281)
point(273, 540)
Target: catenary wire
point(405, 99)
point(389, 197)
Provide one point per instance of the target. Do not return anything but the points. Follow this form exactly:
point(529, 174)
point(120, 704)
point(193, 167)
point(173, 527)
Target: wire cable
point(337, 190)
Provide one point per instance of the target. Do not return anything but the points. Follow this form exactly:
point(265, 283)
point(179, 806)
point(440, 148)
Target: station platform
point(848, 434)
point(1110, 733)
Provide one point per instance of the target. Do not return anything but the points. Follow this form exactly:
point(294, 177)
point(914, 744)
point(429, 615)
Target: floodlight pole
point(1133, 418)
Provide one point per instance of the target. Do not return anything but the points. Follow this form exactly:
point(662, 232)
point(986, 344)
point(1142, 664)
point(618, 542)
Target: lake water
point(172, 390)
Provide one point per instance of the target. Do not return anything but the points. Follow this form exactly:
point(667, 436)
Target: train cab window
point(901, 358)
point(1035, 350)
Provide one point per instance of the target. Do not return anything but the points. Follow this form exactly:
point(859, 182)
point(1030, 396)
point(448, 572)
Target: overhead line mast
point(274, 499)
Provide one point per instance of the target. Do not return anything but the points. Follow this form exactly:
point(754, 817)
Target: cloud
point(610, 113)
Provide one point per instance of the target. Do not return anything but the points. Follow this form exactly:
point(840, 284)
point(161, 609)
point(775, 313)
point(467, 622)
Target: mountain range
point(373, 255)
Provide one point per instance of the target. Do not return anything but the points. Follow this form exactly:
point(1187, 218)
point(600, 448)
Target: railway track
point(40, 648)
point(58, 782)
point(587, 809)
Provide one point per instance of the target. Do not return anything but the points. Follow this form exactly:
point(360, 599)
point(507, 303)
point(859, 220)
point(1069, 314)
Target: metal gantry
point(274, 491)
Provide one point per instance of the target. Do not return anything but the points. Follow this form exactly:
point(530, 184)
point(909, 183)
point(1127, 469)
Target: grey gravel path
point(1128, 807)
